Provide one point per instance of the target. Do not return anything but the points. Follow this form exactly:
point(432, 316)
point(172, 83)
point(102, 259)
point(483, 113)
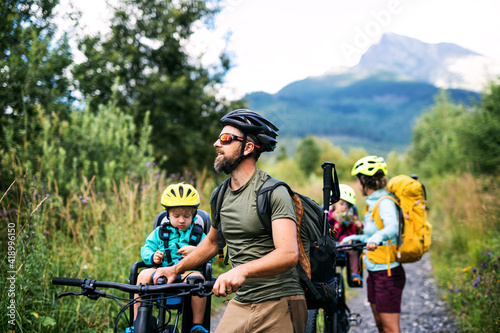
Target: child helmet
point(250, 122)
point(180, 195)
point(369, 166)
point(347, 194)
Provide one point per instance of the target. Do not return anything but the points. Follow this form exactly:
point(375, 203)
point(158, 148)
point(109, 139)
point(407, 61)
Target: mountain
point(354, 108)
point(374, 104)
point(443, 64)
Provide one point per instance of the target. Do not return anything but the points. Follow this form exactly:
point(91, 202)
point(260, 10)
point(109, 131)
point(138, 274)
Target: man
point(268, 297)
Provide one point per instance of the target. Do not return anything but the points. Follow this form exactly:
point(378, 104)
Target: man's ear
point(249, 148)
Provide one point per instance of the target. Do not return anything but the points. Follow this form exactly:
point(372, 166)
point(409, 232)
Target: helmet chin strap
point(240, 158)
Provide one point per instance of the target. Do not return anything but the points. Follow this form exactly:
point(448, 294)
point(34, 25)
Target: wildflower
point(463, 310)
point(489, 253)
point(50, 200)
point(47, 195)
point(466, 269)
point(457, 290)
point(450, 291)
point(484, 265)
point(80, 197)
point(148, 164)
point(474, 269)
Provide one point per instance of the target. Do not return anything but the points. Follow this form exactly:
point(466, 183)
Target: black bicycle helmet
point(252, 123)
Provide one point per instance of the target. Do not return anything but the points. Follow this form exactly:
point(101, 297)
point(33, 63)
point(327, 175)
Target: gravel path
point(422, 309)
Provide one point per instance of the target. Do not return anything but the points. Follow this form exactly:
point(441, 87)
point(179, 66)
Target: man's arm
point(282, 258)
point(205, 251)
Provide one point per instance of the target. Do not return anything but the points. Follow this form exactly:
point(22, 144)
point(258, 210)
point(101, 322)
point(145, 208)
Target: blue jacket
point(178, 239)
point(372, 234)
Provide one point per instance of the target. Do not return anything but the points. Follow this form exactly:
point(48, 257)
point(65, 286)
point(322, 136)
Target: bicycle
point(165, 297)
point(341, 319)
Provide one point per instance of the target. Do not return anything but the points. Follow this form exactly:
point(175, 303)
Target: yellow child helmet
point(180, 195)
point(347, 194)
point(369, 166)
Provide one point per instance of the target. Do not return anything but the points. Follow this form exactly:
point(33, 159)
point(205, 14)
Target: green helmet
point(369, 166)
point(347, 194)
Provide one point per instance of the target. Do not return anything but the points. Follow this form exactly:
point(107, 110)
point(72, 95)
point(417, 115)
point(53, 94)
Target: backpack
point(199, 228)
point(317, 250)
point(414, 231)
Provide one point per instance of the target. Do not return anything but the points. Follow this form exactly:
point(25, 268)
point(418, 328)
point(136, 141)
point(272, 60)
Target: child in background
point(181, 202)
point(344, 222)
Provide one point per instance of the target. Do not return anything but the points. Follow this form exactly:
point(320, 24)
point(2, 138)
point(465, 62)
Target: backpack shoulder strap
point(376, 216)
point(263, 201)
point(215, 206)
point(216, 199)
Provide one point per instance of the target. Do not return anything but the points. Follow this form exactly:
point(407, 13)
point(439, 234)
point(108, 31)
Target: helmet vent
point(188, 193)
point(181, 191)
point(173, 192)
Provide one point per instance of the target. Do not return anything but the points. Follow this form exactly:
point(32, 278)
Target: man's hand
point(230, 281)
point(168, 272)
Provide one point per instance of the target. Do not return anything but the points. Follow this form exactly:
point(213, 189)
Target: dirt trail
point(422, 311)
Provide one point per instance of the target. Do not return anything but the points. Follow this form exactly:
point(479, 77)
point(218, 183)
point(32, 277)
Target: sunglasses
point(227, 138)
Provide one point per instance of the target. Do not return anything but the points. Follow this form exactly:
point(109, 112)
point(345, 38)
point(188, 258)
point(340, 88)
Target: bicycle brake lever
point(69, 293)
point(93, 294)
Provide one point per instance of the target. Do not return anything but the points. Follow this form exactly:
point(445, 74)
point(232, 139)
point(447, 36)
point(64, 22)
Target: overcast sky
point(275, 42)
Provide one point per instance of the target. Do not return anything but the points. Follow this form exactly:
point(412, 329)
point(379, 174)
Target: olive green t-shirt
point(247, 239)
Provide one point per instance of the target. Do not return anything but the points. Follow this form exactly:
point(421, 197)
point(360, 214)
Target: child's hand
point(158, 257)
point(186, 249)
point(358, 224)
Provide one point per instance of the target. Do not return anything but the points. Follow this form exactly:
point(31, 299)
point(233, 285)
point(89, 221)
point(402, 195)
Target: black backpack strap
point(215, 206)
point(263, 201)
point(164, 234)
point(307, 281)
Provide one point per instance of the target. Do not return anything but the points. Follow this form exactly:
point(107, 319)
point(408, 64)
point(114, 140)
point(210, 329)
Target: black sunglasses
point(227, 138)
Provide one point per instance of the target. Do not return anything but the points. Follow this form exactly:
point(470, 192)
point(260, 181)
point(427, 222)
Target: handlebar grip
point(67, 281)
point(327, 182)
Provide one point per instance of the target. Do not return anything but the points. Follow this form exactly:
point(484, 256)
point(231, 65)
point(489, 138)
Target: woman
point(385, 281)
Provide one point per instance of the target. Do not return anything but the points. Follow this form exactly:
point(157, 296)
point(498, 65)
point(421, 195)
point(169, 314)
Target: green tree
point(308, 155)
point(481, 134)
point(32, 65)
point(145, 52)
point(436, 147)
point(101, 145)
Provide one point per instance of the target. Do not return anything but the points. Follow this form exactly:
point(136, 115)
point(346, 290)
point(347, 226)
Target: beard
point(225, 163)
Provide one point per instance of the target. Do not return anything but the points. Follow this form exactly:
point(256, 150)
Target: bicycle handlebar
point(351, 246)
point(194, 285)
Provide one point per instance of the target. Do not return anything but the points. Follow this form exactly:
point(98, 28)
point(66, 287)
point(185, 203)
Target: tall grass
point(87, 234)
point(466, 248)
